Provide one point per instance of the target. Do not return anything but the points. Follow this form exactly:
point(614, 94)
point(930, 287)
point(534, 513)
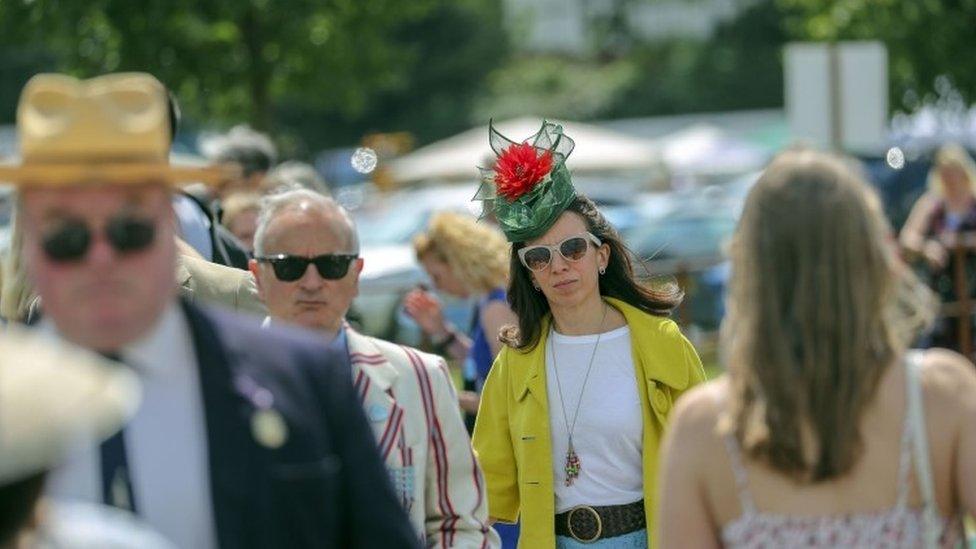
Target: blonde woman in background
point(808, 440)
point(463, 258)
point(946, 212)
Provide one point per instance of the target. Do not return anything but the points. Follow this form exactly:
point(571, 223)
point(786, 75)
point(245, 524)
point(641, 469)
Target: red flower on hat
point(519, 168)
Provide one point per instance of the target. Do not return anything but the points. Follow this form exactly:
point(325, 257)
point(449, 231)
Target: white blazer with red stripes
point(412, 407)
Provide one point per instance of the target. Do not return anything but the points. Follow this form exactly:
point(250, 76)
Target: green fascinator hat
point(530, 186)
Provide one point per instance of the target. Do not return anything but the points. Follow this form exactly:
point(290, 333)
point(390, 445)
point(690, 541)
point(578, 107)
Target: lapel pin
point(269, 428)
point(377, 413)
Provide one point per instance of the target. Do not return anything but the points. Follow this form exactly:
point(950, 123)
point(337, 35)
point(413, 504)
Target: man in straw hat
point(245, 438)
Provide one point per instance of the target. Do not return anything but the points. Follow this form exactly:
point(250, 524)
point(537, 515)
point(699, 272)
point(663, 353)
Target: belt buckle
point(596, 516)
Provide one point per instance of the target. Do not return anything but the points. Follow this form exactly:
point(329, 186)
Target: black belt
point(588, 524)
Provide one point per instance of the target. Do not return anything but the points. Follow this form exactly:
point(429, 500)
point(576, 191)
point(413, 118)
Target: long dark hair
point(618, 281)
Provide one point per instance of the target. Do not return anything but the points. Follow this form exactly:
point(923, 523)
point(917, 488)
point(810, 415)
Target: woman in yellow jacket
point(574, 407)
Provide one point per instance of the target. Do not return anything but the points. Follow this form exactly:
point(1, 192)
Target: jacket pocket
point(305, 497)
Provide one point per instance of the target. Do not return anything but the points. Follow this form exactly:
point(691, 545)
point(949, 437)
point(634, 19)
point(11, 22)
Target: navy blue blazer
point(326, 485)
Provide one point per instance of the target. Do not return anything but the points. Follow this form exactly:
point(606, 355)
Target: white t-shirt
point(608, 437)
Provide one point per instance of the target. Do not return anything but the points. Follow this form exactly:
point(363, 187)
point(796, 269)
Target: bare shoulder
point(497, 312)
point(948, 378)
point(496, 307)
point(697, 413)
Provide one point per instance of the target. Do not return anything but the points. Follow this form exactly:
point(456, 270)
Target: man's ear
point(357, 269)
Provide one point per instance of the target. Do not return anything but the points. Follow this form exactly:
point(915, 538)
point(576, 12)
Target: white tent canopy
point(457, 158)
point(704, 149)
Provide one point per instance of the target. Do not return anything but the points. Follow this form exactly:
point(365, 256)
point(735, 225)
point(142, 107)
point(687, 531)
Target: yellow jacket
point(511, 436)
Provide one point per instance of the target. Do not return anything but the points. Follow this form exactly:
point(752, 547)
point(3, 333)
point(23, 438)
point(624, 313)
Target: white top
point(75, 525)
point(166, 441)
point(608, 437)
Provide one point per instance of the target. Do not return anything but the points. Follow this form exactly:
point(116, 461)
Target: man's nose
point(311, 280)
point(100, 251)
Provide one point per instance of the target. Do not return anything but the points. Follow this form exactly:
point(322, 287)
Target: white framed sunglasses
point(537, 258)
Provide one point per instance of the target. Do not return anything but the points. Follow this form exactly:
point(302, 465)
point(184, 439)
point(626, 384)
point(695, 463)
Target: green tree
point(738, 67)
point(928, 40)
point(262, 61)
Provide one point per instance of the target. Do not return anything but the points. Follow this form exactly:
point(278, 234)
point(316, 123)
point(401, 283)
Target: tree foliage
point(928, 40)
point(258, 61)
point(738, 67)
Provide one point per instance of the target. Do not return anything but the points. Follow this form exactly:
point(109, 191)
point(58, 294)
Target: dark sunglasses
point(537, 258)
point(70, 240)
point(289, 268)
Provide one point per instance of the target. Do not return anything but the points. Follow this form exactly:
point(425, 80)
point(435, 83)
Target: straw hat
point(110, 129)
point(53, 395)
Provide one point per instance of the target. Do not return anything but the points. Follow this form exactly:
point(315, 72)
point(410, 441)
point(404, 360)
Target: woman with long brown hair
point(826, 432)
point(573, 408)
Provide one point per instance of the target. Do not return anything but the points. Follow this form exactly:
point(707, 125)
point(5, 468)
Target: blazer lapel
point(229, 446)
point(374, 377)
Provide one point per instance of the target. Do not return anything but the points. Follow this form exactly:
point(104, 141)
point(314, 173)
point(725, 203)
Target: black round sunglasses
point(70, 240)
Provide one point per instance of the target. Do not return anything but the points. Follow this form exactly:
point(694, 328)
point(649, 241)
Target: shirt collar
point(339, 339)
point(170, 331)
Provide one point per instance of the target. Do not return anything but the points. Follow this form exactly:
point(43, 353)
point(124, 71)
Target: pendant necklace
point(573, 465)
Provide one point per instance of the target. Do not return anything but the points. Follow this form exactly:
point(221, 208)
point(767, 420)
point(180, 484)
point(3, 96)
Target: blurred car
point(684, 235)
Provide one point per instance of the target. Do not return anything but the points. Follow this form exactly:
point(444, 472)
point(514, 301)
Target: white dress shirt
point(166, 441)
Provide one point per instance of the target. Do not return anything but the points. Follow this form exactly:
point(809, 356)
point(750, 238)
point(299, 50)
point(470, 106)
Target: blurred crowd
point(182, 363)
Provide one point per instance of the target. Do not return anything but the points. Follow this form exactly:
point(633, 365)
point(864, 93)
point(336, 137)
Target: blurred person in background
point(573, 409)
point(51, 397)
point(252, 151)
point(307, 266)
point(241, 216)
point(941, 219)
point(241, 433)
point(826, 432)
point(463, 258)
point(293, 174)
point(195, 218)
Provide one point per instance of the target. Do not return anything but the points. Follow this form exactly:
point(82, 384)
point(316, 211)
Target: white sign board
point(837, 94)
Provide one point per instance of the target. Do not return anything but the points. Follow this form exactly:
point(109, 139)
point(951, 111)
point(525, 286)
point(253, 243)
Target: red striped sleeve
point(440, 450)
